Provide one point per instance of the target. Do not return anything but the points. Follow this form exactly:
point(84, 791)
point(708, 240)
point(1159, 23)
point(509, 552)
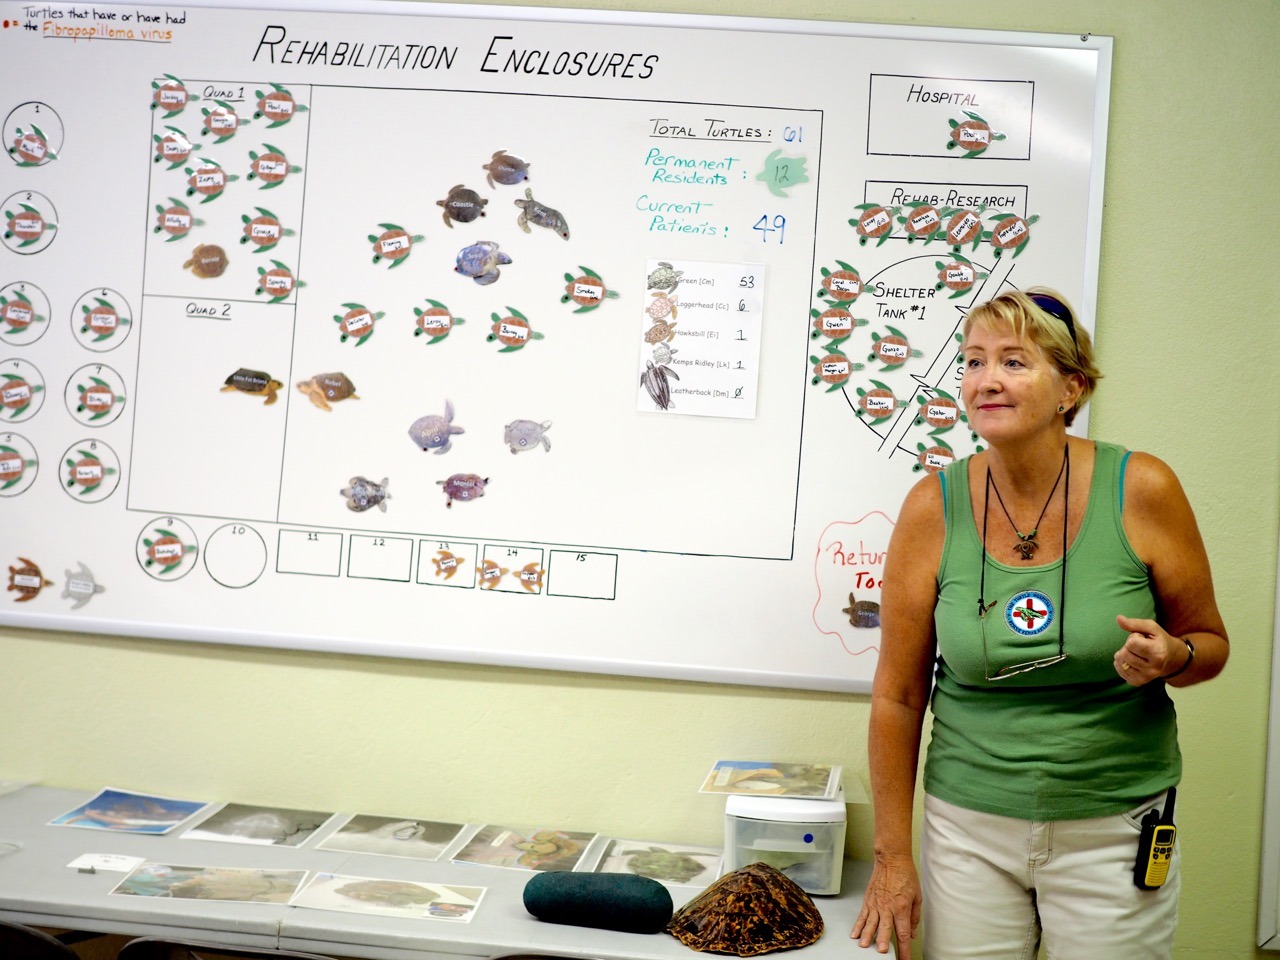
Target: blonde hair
point(1068, 347)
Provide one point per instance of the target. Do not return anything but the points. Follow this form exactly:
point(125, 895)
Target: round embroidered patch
point(1029, 613)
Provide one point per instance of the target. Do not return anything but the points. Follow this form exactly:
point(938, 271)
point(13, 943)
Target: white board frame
point(721, 672)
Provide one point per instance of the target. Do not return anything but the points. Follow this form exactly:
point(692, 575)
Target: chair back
point(160, 948)
point(18, 942)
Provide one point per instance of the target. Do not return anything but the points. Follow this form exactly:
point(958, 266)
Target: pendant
point(1027, 547)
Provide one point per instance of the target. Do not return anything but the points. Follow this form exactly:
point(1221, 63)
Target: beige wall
point(1188, 338)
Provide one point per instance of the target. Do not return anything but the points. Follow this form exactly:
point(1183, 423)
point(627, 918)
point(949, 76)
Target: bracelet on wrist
point(1191, 655)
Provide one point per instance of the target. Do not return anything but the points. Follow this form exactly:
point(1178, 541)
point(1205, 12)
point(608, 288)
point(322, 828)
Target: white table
point(38, 888)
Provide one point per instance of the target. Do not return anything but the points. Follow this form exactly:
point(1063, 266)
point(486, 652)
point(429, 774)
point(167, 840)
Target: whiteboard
point(220, 220)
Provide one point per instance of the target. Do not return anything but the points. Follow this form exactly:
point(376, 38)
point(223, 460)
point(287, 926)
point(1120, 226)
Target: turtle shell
point(173, 147)
point(836, 323)
point(357, 322)
point(1010, 232)
point(175, 221)
point(12, 466)
point(940, 412)
point(435, 321)
point(26, 579)
point(661, 307)
point(506, 168)
point(935, 459)
point(208, 180)
point(207, 260)
point(170, 96)
point(923, 221)
point(463, 486)
point(269, 167)
point(16, 394)
point(162, 551)
point(661, 330)
point(335, 386)
point(878, 403)
point(102, 320)
point(277, 106)
point(462, 204)
point(99, 398)
point(833, 368)
point(748, 912)
point(864, 614)
point(963, 227)
point(87, 472)
point(958, 276)
point(221, 122)
point(31, 148)
point(512, 331)
point(972, 135)
point(393, 244)
point(842, 285)
point(250, 381)
point(263, 230)
point(277, 281)
point(27, 225)
point(17, 314)
point(874, 223)
point(585, 291)
point(892, 351)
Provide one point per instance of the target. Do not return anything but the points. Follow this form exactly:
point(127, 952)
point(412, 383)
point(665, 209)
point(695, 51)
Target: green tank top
point(1063, 742)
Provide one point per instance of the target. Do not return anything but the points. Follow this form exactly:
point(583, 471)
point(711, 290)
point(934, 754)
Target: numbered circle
point(30, 222)
point(19, 464)
point(21, 391)
point(235, 555)
point(167, 548)
point(95, 395)
point(90, 471)
point(101, 319)
point(24, 313)
point(33, 134)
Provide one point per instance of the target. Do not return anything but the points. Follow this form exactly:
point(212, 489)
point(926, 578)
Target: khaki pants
point(995, 886)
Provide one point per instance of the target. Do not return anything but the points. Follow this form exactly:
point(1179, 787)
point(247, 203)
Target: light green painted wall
point(1189, 295)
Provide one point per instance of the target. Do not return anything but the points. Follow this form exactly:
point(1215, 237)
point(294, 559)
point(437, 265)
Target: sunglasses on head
point(1056, 309)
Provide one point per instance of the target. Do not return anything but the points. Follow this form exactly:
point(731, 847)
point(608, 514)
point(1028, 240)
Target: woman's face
point(1011, 390)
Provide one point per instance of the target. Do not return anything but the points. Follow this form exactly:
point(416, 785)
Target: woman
point(1060, 584)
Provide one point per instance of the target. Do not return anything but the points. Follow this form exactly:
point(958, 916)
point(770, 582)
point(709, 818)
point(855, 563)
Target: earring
point(1061, 408)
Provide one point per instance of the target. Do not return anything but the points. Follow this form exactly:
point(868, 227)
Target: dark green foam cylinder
point(612, 901)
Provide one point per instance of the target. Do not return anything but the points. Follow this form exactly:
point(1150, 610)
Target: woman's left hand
point(1149, 652)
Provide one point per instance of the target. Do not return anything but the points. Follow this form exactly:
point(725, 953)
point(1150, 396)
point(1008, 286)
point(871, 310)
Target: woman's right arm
point(899, 696)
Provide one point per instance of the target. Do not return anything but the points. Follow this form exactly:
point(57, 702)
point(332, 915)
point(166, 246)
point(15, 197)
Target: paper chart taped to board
point(552, 338)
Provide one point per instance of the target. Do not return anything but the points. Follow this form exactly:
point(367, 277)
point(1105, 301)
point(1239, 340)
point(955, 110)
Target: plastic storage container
point(802, 838)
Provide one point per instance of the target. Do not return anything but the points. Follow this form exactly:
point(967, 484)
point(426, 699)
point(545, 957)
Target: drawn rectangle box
point(380, 558)
point(309, 552)
point(591, 576)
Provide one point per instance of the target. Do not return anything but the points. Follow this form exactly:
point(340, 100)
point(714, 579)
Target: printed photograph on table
point(819, 781)
point(393, 837)
point(389, 898)
point(672, 863)
point(239, 884)
point(127, 812)
point(546, 850)
point(268, 826)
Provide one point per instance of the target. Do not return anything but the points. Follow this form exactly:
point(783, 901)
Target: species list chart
point(426, 332)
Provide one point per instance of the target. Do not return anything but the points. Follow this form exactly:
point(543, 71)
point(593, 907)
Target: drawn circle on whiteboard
point(167, 548)
point(19, 464)
point(21, 391)
point(30, 222)
point(90, 471)
point(101, 319)
point(24, 313)
point(235, 555)
point(95, 395)
point(33, 134)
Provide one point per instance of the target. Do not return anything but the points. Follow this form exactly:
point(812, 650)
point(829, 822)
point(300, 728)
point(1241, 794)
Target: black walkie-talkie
point(1155, 846)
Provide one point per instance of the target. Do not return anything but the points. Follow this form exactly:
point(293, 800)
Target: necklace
point(1026, 545)
point(1006, 672)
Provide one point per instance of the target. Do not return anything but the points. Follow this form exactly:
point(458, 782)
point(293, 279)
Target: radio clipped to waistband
point(1155, 846)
